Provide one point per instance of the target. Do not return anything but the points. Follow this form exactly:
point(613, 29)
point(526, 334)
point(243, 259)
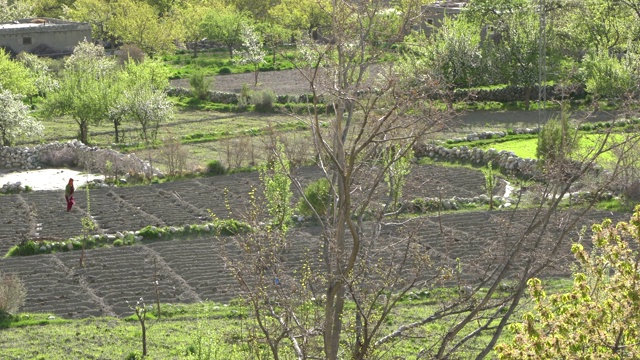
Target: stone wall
point(70, 154)
point(232, 98)
point(511, 93)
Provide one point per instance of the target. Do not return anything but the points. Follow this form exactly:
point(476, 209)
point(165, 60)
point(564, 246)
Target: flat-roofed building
point(43, 36)
point(433, 15)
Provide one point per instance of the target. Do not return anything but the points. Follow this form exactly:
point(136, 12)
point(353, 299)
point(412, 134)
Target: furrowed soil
point(193, 270)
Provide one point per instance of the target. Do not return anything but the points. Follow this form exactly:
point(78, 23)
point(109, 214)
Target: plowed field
point(193, 270)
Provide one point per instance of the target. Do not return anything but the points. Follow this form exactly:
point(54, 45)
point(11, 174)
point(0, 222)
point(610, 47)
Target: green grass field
point(225, 329)
point(526, 148)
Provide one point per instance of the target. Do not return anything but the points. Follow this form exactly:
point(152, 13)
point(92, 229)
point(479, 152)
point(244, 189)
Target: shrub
point(224, 71)
point(174, 155)
point(130, 52)
point(118, 242)
point(317, 193)
point(245, 95)
point(24, 249)
point(215, 167)
point(231, 227)
point(632, 191)
point(200, 85)
point(12, 293)
point(60, 157)
point(150, 232)
point(557, 140)
point(263, 100)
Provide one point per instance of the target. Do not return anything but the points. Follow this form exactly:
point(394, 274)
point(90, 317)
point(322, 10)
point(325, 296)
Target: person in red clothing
point(68, 195)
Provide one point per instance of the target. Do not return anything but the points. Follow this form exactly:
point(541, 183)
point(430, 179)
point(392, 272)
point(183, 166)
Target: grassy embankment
point(183, 329)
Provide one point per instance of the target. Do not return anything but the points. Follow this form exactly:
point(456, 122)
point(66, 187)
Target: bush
point(130, 52)
point(231, 227)
point(60, 157)
point(174, 155)
point(118, 242)
point(215, 167)
point(150, 232)
point(317, 193)
point(24, 249)
point(12, 293)
point(263, 100)
point(200, 85)
point(557, 140)
point(224, 71)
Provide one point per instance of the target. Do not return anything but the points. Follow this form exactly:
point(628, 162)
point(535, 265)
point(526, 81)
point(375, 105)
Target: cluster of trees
point(338, 304)
point(90, 88)
point(592, 42)
point(156, 26)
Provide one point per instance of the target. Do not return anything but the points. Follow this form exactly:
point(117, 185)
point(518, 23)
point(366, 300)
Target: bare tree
point(366, 258)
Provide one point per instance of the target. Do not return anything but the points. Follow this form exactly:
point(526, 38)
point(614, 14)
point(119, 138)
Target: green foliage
point(277, 190)
point(140, 24)
point(453, 53)
point(557, 140)
point(490, 183)
point(224, 25)
point(318, 196)
point(606, 75)
point(16, 77)
point(24, 249)
point(600, 316)
point(215, 167)
point(231, 227)
point(200, 85)
point(398, 161)
point(150, 232)
point(263, 100)
point(86, 90)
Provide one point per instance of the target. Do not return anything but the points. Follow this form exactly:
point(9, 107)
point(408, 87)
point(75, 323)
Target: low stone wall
point(505, 160)
point(232, 98)
point(19, 158)
point(513, 93)
point(73, 154)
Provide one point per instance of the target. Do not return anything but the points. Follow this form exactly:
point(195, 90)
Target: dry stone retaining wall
point(79, 154)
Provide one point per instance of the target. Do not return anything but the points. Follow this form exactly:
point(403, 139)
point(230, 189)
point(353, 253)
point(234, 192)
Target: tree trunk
point(527, 97)
point(255, 80)
point(230, 51)
point(84, 130)
point(116, 123)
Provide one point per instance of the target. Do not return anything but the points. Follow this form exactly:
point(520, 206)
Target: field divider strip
point(80, 275)
point(168, 270)
point(31, 216)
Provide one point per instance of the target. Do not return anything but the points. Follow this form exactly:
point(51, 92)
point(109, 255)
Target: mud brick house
point(43, 36)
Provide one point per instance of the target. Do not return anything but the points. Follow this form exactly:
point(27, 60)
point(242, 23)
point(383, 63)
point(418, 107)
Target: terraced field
point(193, 270)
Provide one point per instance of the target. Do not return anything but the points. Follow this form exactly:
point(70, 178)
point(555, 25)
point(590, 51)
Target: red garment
point(68, 194)
point(70, 202)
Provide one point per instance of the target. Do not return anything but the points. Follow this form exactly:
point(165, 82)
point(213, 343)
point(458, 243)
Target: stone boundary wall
point(232, 98)
point(502, 95)
point(513, 93)
point(72, 153)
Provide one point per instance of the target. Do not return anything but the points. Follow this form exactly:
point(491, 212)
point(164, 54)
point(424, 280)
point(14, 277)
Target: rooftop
point(449, 4)
point(34, 23)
